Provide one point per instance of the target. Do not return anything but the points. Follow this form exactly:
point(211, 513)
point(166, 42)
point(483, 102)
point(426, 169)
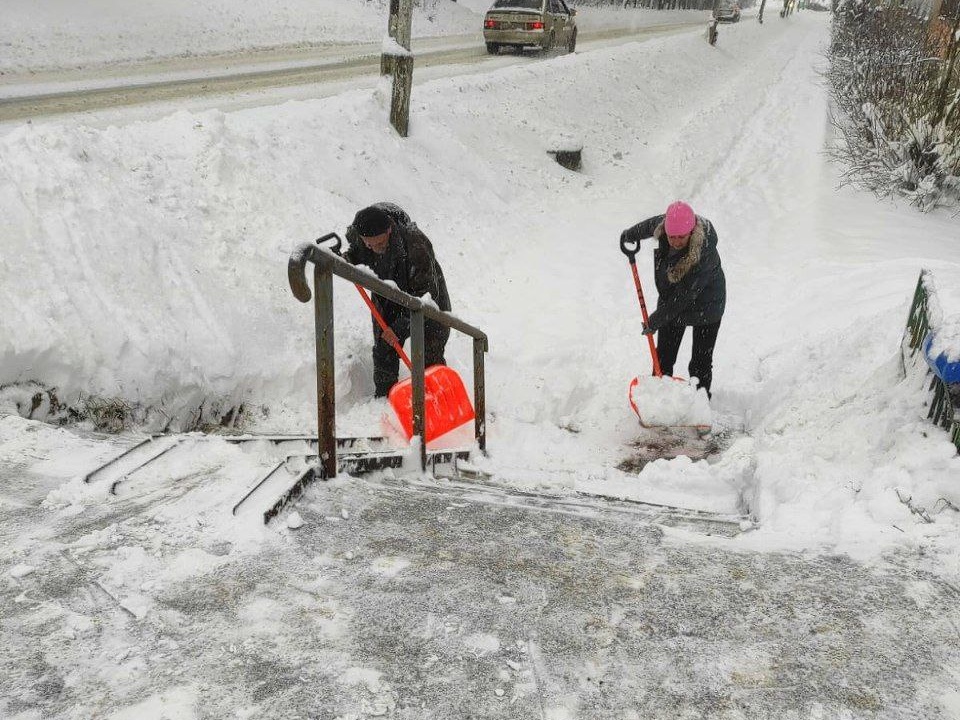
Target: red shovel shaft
point(446, 404)
point(389, 336)
point(654, 355)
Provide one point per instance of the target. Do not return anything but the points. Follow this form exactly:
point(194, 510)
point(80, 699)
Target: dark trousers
point(701, 359)
point(386, 362)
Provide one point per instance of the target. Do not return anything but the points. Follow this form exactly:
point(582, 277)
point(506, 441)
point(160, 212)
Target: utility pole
point(397, 60)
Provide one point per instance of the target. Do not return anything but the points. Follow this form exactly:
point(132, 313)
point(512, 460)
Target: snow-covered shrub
point(186, 412)
point(896, 91)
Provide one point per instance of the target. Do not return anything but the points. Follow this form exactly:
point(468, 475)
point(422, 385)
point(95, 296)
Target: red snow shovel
point(446, 403)
point(630, 249)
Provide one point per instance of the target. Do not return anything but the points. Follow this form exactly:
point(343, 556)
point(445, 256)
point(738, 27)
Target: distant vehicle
point(728, 12)
point(545, 24)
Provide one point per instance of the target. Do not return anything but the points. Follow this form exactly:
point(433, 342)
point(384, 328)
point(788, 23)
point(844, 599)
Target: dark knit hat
point(371, 221)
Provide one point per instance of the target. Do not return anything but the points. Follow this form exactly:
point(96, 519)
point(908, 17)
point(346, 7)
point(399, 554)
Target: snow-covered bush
point(895, 83)
point(183, 412)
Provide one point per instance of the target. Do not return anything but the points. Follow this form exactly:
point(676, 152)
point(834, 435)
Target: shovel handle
point(335, 247)
point(383, 326)
point(629, 247)
point(654, 355)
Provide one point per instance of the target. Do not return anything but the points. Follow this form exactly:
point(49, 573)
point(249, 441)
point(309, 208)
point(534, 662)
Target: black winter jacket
point(691, 283)
point(409, 262)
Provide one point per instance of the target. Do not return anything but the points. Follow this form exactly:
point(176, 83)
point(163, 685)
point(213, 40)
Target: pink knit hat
point(680, 219)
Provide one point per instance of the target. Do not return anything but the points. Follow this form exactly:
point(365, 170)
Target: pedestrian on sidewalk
point(691, 285)
point(385, 239)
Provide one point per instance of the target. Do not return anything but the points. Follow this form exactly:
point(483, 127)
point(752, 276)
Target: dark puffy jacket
point(691, 283)
point(409, 262)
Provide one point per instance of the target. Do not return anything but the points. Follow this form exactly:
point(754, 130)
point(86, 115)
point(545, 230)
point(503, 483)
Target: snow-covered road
point(265, 78)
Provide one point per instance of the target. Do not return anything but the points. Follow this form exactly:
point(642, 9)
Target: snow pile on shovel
point(669, 402)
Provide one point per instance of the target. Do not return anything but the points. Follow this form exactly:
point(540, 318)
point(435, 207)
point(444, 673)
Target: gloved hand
point(629, 246)
point(648, 330)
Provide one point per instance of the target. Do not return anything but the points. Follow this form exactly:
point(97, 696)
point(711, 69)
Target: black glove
point(647, 330)
point(629, 246)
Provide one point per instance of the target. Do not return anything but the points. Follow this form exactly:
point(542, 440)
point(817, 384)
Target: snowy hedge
point(895, 83)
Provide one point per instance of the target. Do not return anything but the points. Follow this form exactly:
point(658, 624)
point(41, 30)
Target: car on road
point(544, 24)
point(728, 12)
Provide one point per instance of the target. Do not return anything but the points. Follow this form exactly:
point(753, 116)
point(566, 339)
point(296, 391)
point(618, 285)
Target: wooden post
point(399, 25)
point(400, 98)
point(712, 28)
point(394, 61)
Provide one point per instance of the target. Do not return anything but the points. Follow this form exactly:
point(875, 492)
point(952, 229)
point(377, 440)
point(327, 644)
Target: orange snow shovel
point(630, 249)
point(446, 403)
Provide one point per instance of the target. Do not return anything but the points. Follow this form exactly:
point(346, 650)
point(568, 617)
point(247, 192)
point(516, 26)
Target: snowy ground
point(412, 602)
point(148, 262)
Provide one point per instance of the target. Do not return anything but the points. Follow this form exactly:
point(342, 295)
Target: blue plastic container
point(949, 372)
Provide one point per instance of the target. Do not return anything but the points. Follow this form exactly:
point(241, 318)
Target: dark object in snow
point(666, 444)
point(571, 159)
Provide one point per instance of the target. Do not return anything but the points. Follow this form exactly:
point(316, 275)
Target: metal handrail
point(326, 264)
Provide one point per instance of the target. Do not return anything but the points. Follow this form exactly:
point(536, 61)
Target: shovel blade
point(446, 406)
point(674, 403)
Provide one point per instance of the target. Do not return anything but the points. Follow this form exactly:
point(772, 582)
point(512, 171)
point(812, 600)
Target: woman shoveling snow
point(692, 292)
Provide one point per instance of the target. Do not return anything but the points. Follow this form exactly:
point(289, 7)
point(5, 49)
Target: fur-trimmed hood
point(698, 239)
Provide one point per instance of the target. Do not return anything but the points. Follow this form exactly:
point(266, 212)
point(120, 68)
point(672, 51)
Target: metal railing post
point(326, 395)
point(419, 392)
point(328, 263)
point(479, 394)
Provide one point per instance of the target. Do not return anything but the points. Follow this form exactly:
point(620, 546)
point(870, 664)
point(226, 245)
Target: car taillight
point(535, 25)
point(490, 24)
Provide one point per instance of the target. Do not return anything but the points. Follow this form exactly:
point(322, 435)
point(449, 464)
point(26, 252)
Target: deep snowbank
point(148, 262)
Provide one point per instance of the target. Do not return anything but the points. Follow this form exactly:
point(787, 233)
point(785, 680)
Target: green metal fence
point(945, 404)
